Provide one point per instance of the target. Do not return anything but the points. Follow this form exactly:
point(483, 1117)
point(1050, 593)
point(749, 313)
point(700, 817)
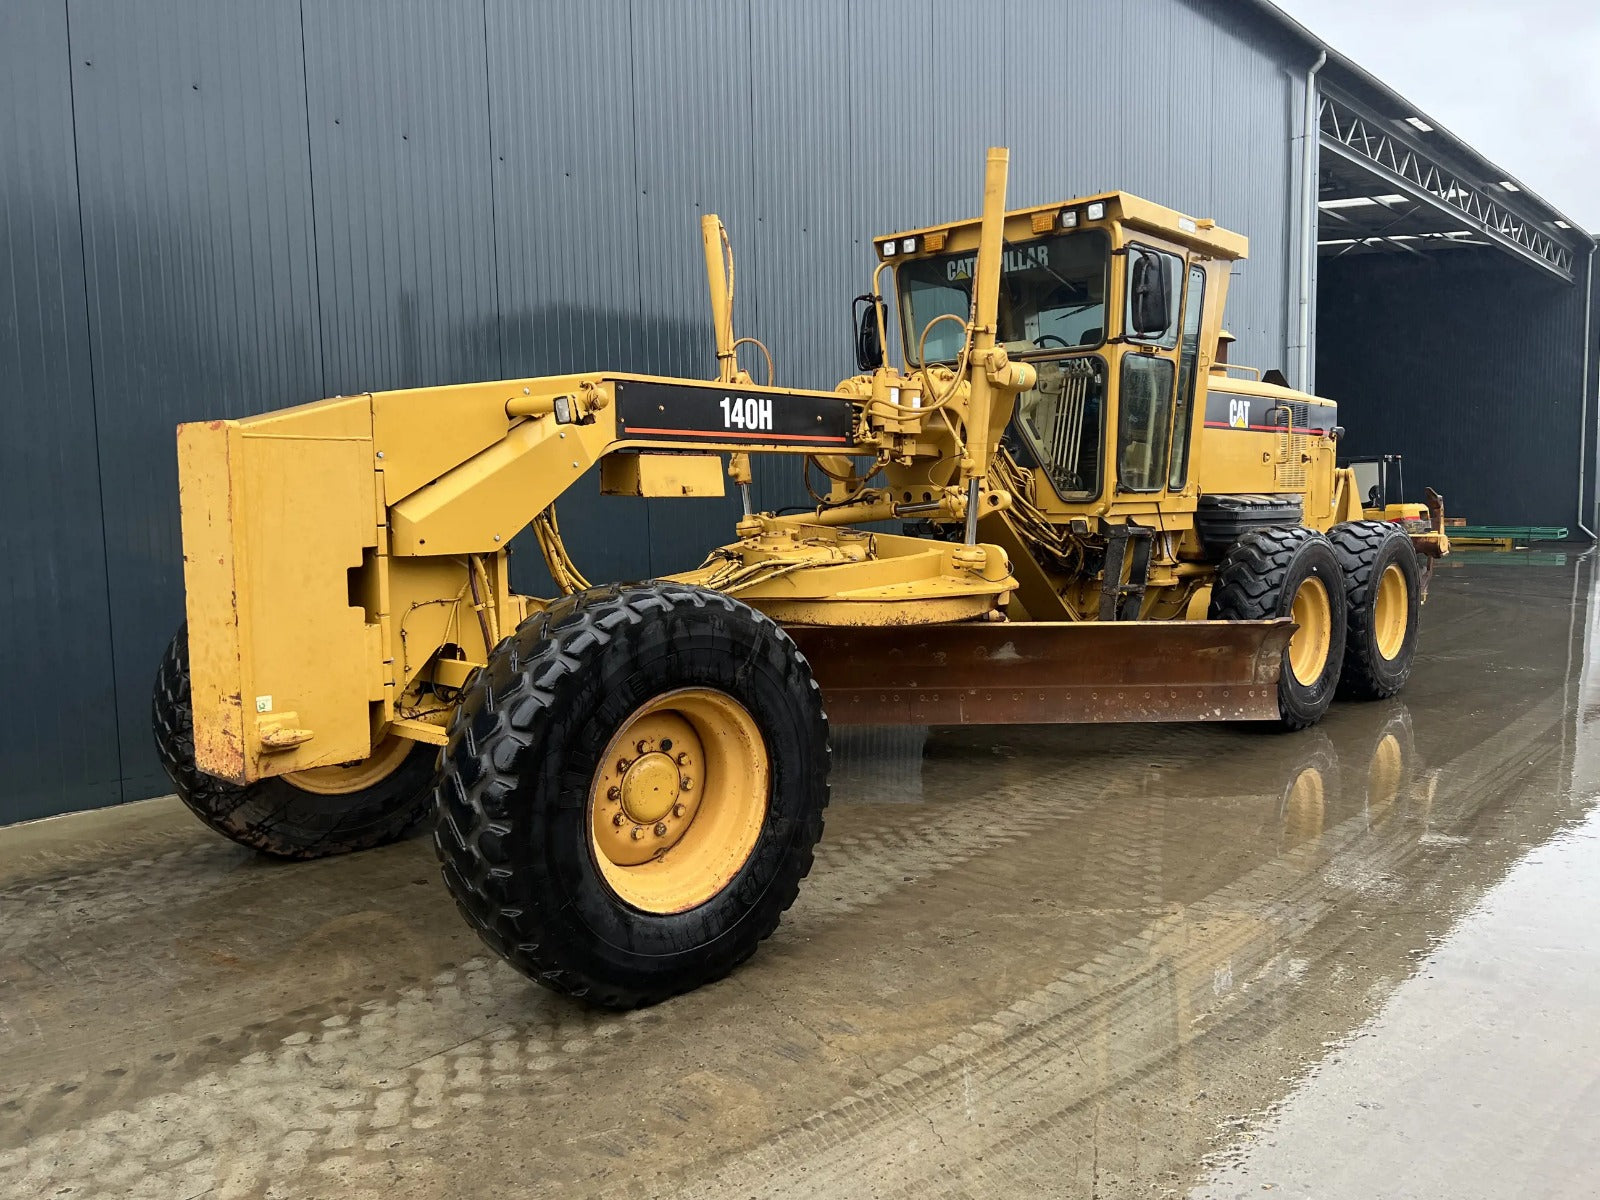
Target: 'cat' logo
point(1239, 414)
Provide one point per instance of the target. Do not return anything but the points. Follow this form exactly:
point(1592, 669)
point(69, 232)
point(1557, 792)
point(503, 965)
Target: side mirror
point(869, 346)
point(1149, 294)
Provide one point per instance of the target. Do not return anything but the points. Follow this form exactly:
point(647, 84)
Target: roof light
point(1069, 218)
point(1509, 185)
point(909, 246)
point(1187, 225)
point(1097, 211)
point(1419, 123)
point(1562, 225)
point(887, 249)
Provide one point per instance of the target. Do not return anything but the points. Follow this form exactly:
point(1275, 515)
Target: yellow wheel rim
point(1391, 611)
point(679, 800)
point(1313, 618)
point(341, 780)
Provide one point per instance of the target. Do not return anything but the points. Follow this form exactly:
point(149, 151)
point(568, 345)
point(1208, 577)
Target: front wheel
point(632, 791)
point(1292, 573)
point(305, 814)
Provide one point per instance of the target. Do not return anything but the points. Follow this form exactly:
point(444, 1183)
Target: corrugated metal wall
point(1471, 366)
point(212, 210)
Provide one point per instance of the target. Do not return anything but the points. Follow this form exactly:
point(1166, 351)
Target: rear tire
point(1270, 573)
point(272, 815)
point(560, 832)
point(1383, 588)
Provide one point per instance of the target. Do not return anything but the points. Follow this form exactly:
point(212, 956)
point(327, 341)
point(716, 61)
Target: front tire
point(632, 792)
point(1270, 573)
point(1383, 587)
point(337, 810)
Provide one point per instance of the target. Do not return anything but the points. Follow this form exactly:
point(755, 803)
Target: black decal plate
point(1267, 414)
point(718, 413)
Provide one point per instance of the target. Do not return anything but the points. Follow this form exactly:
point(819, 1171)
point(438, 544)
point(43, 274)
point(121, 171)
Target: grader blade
point(1047, 672)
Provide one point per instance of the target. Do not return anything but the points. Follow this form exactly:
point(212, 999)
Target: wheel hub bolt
point(641, 746)
point(666, 744)
point(622, 766)
point(618, 820)
point(614, 794)
point(637, 833)
point(678, 810)
point(661, 829)
point(683, 760)
point(685, 784)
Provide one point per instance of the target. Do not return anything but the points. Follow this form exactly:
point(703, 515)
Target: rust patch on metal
point(988, 673)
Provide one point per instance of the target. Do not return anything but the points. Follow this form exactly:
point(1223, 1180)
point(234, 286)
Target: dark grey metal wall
point(1468, 364)
point(211, 210)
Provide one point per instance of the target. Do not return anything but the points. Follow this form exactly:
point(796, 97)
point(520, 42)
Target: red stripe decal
point(1306, 429)
point(728, 434)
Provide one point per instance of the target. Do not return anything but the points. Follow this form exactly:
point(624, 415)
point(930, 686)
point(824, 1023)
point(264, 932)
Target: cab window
point(1052, 297)
point(1145, 402)
point(1061, 417)
point(1188, 358)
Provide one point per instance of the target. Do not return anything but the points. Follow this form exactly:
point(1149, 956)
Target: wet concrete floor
point(1140, 961)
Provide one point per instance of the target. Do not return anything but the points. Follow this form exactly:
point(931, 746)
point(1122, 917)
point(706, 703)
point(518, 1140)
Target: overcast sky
point(1519, 80)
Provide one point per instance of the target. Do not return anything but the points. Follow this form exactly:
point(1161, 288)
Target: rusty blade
point(1047, 672)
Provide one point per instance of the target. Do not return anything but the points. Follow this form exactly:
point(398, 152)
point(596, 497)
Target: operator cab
point(1107, 298)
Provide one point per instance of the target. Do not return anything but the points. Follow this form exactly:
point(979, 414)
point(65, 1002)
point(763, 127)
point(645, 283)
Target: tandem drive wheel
point(304, 814)
point(632, 791)
point(1292, 573)
point(1383, 584)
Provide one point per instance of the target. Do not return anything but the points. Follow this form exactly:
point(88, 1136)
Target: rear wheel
point(304, 814)
point(1383, 587)
point(632, 791)
point(1292, 573)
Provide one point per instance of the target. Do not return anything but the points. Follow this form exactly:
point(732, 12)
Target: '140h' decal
point(747, 412)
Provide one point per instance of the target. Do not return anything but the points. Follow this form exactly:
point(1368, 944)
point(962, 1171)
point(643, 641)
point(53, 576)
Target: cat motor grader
point(1103, 524)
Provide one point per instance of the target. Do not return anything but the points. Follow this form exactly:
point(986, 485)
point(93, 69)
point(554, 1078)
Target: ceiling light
point(1562, 225)
point(1347, 202)
point(1509, 186)
point(1391, 199)
point(1419, 123)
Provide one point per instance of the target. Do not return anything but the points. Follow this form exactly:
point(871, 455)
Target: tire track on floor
point(484, 1007)
point(1022, 1060)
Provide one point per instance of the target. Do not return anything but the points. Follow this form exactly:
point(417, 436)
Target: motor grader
point(1102, 522)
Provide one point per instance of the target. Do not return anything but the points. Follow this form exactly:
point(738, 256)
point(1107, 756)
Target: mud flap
point(1047, 672)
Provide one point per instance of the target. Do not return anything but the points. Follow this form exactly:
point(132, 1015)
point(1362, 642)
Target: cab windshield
point(1052, 297)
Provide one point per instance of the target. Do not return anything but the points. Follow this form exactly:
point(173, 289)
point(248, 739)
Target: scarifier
point(1102, 521)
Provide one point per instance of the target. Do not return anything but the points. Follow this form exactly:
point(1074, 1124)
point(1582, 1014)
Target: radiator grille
point(1291, 472)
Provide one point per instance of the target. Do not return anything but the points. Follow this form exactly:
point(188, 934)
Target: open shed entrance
point(1450, 316)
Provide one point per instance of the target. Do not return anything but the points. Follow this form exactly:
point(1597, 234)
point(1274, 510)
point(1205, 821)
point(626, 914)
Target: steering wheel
point(1050, 337)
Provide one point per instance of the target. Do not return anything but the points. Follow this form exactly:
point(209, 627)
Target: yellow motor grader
point(1102, 522)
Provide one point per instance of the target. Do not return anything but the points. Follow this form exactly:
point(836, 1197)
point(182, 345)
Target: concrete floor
point(1139, 961)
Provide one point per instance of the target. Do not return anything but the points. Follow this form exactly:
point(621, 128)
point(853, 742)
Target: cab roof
point(1023, 224)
